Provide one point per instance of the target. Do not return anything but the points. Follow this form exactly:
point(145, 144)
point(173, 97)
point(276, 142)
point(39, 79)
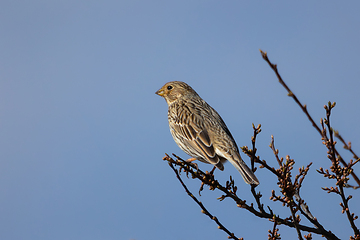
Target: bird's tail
point(248, 175)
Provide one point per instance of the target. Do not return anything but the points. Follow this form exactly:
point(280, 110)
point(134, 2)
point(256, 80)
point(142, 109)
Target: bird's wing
point(223, 126)
point(226, 147)
point(189, 128)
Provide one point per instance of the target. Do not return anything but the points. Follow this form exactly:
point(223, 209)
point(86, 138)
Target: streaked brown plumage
point(200, 131)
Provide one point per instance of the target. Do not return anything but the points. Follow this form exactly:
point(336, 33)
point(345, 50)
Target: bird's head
point(173, 91)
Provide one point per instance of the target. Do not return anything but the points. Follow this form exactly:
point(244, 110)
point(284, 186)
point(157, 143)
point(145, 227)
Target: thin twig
point(346, 207)
point(288, 189)
point(346, 145)
point(338, 171)
point(304, 109)
point(204, 210)
point(257, 197)
point(274, 234)
point(295, 219)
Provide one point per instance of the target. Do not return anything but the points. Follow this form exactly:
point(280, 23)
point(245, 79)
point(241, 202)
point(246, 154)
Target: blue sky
point(83, 134)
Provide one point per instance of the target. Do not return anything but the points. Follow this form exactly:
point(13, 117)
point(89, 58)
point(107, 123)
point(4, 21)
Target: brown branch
point(341, 173)
point(292, 190)
point(304, 109)
point(228, 191)
point(346, 209)
point(204, 210)
point(297, 182)
point(257, 196)
point(274, 234)
point(346, 145)
point(284, 174)
point(257, 130)
point(293, 212)
point(286, 186)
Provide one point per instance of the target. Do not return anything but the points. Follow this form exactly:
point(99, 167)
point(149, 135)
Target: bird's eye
point(169, 87)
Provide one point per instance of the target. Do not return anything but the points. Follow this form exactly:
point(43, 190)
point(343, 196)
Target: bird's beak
point(160, 92)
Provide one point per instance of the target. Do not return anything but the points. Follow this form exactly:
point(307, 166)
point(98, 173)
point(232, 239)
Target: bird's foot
point(190, 161)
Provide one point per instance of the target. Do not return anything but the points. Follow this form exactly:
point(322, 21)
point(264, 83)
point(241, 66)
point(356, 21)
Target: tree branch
point(304, 109)
point(204, 210)
point(229, 191)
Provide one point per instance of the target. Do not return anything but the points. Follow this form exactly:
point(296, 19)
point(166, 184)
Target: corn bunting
point(200, 131)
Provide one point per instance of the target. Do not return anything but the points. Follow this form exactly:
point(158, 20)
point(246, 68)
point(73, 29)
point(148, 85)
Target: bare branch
point(304, 109)
point(341, 173)
point(204, 210)
point(229, 191)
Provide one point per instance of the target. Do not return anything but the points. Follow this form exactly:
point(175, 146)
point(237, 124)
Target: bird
point(200, 131)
